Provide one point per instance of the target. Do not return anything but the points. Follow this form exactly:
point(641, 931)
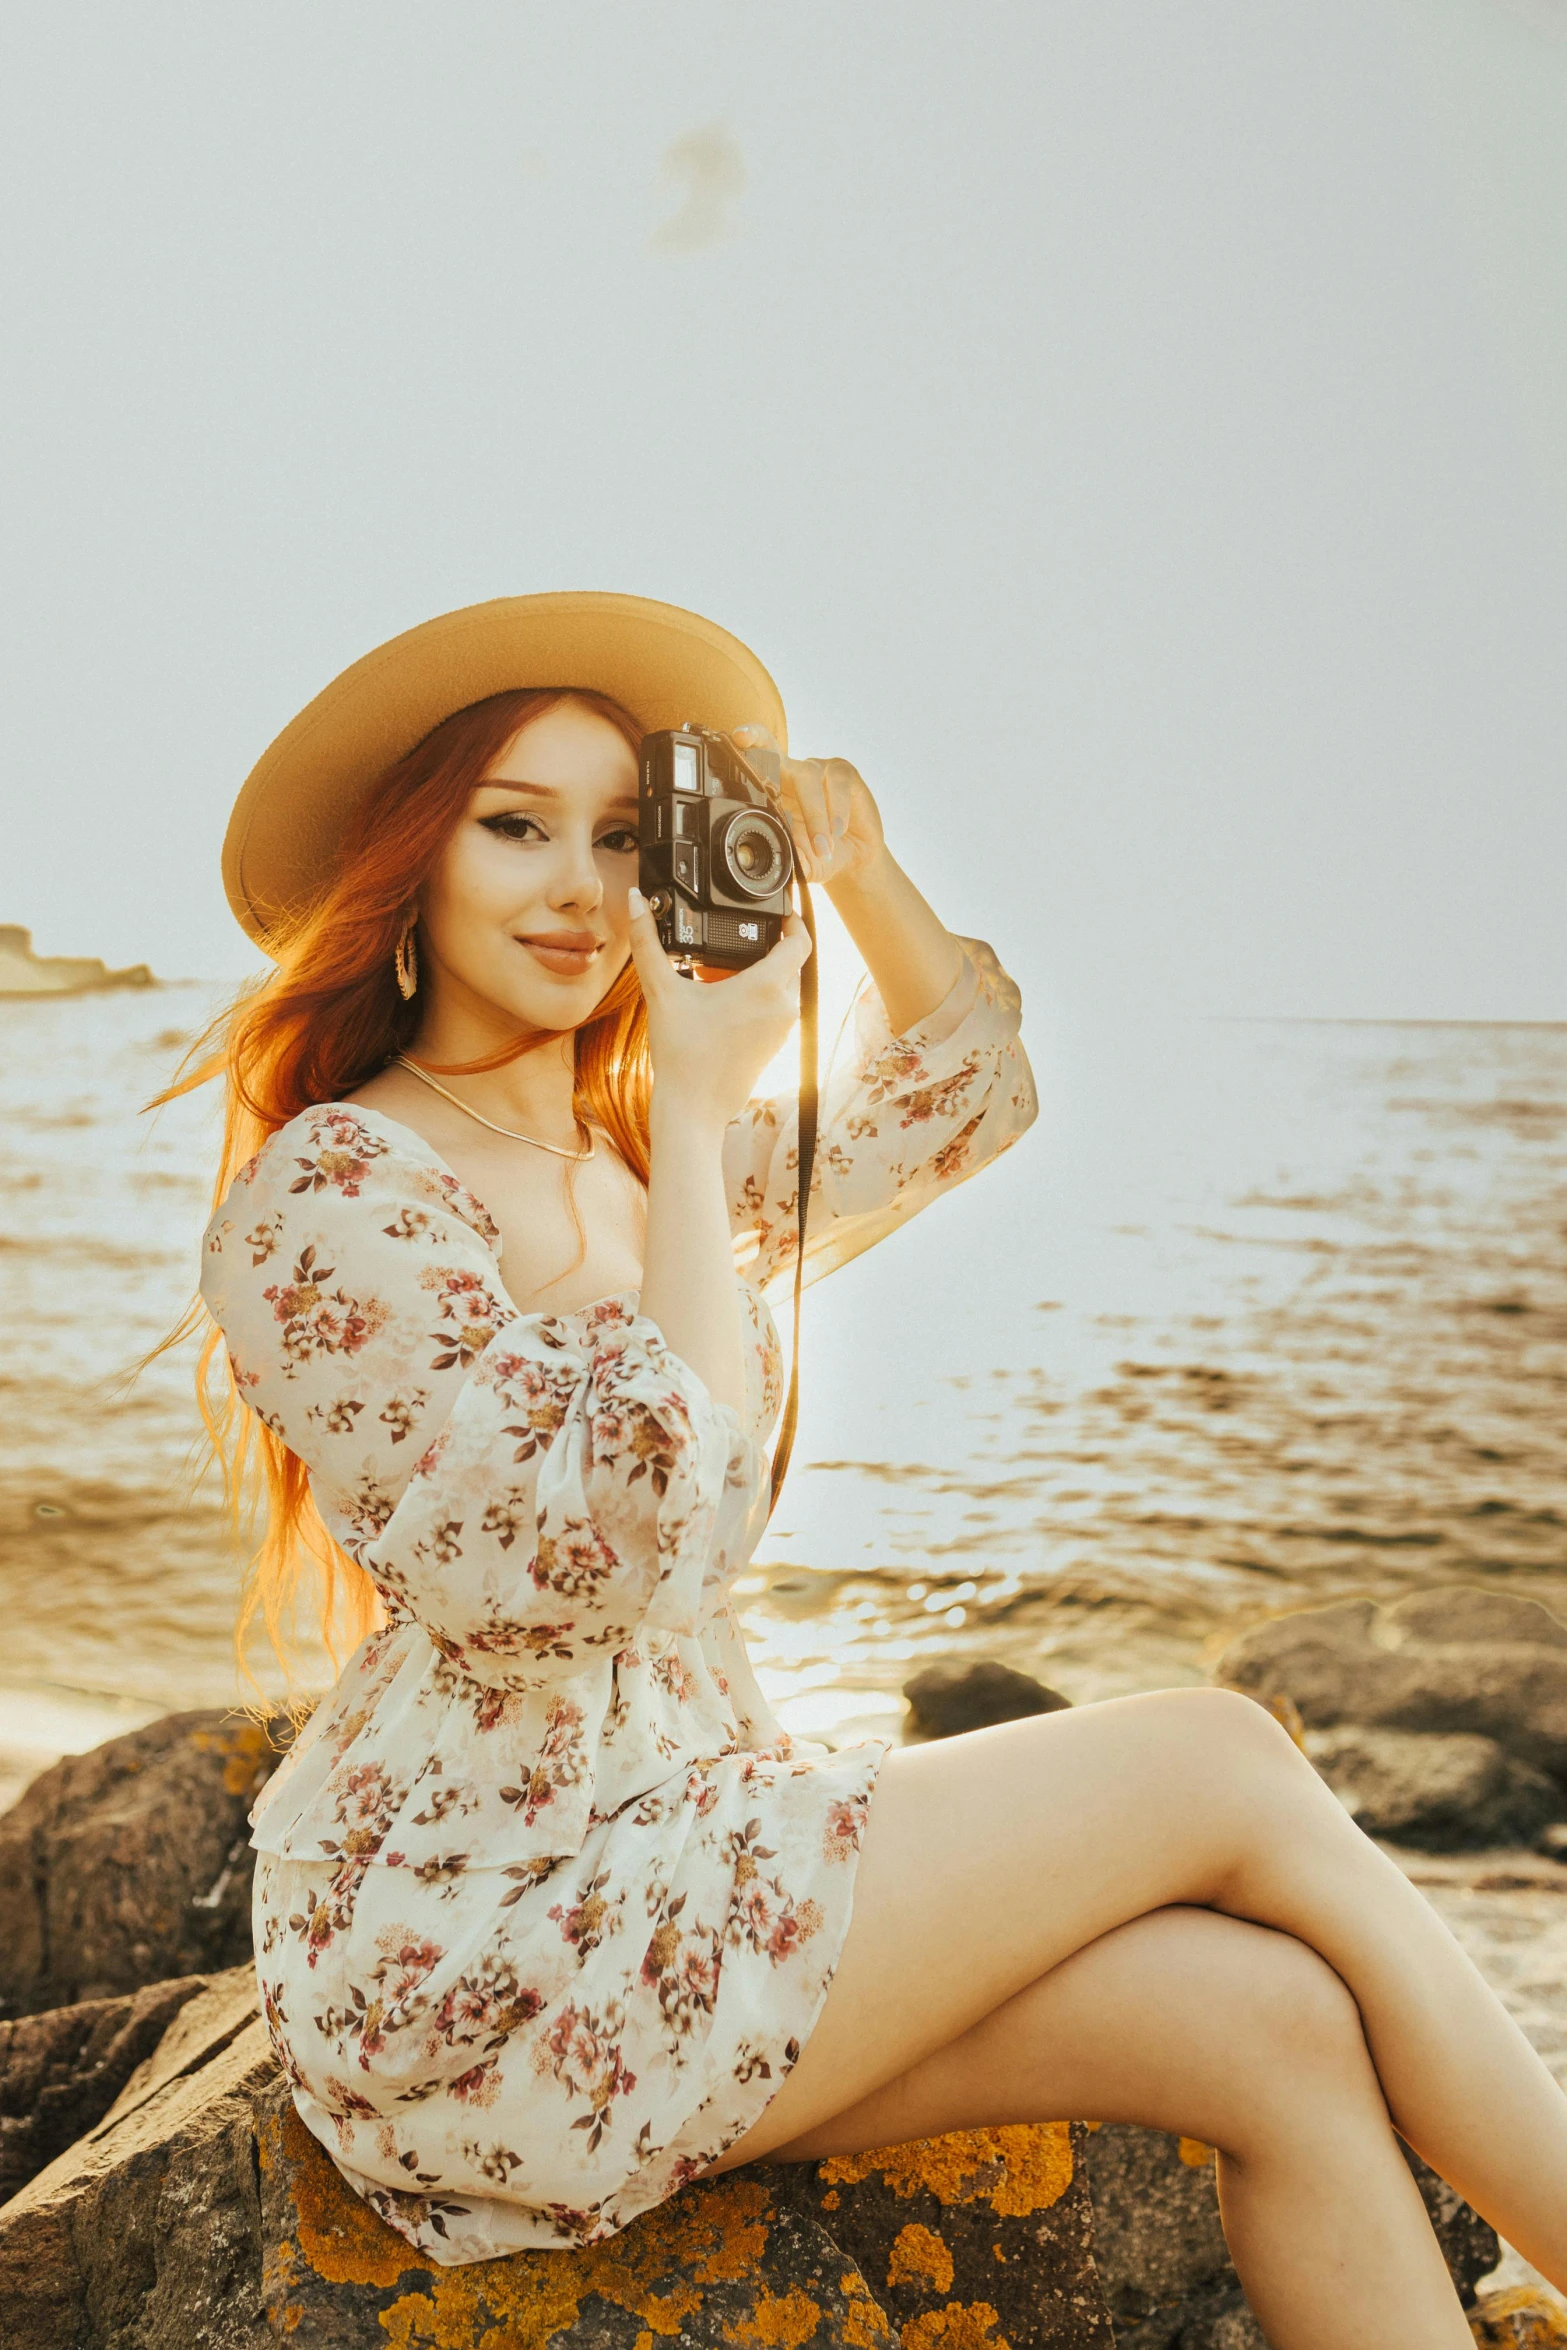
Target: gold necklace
point(554, 1149)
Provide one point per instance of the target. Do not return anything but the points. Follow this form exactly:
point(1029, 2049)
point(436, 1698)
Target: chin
point(549, 1002)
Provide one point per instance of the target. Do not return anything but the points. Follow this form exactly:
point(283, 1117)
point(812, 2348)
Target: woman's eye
point(622, 842)
point(511, 824)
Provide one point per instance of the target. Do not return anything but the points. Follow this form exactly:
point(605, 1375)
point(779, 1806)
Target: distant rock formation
point(24, 973)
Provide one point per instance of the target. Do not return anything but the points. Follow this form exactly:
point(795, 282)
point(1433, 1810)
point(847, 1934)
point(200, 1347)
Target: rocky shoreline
point(23, 973)
point(156, 2187)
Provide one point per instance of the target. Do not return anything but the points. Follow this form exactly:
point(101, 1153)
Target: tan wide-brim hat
point(665, 666)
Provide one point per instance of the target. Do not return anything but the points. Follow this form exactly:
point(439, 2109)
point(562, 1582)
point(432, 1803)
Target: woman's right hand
point(710, 1044)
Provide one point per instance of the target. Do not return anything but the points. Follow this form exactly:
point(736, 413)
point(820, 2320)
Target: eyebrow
point(544, 791)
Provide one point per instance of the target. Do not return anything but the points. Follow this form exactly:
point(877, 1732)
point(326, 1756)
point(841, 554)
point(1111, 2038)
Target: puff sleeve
point(531, 1490)
point(903, 1118)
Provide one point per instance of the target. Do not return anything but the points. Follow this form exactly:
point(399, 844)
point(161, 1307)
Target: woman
point(551, 1915)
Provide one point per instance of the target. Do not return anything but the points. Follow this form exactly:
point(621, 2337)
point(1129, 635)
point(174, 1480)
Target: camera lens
point(753, 853)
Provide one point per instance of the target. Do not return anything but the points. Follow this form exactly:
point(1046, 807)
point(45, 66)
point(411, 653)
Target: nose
point(578, 885)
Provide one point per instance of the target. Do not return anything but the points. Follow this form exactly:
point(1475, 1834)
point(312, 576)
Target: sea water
point(1258, 1314)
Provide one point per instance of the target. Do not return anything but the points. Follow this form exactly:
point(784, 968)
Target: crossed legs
point(1152, 1910)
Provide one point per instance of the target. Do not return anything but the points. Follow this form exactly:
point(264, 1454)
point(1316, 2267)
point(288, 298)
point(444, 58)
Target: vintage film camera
point(716, 859)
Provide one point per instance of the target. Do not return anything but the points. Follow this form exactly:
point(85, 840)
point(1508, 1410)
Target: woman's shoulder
point(342, 1152)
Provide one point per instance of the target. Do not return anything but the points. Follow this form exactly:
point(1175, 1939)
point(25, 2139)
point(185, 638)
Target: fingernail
point(840, 827)
point(821, 844)
point(635, 900)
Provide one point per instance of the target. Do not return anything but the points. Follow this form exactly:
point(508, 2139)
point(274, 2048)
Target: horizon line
point(1365, 1020)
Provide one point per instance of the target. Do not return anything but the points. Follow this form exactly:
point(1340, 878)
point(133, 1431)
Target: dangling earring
point(406, 961)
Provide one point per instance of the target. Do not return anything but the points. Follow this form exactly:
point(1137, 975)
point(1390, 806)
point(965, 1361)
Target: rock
point(985, 2236)
point(131, 1864)
point(1217, 2320)
point(945, 1700)
point(24, 973)
point(202, 2215)
point(223, 2007)
point(1460, 1614)
point(1518, 2320)
point(733, 2259)
point(61, 2071)
point(1354, 1662)
point(1158, 2245)
point(147, 2235)
point(1470, 2245)
point(1440, 1792)
point(1163, 2264)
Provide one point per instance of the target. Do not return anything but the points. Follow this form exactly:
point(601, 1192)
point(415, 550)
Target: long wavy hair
point(322, 1022)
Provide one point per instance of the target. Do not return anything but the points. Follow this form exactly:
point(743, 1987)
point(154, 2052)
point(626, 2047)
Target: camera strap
point(805, 1167)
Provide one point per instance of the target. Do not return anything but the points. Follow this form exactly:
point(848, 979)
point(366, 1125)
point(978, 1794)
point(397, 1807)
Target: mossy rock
point(734, 2260)
point(200, 2214)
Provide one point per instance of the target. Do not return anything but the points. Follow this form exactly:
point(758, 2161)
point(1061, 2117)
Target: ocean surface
point(1259, 1314)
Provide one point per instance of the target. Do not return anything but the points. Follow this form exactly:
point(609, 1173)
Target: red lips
point(568, 953)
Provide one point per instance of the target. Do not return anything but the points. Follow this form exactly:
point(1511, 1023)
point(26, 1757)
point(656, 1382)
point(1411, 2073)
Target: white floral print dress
point(547, 1903)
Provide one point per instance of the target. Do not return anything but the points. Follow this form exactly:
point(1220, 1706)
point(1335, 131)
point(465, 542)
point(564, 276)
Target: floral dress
point(547, 1902)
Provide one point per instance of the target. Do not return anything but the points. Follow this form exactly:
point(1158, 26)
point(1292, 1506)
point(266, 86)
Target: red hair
point(318, 1026)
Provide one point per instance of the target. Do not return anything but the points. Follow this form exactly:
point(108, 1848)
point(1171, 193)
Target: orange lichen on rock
point(245, 1748)
point(1022, 2168)
point(653, 2270)
point(522, 2303)
point(864, 2324)
point(526, 2300)
point(718, 2234)
point(1196, 2154)
point(780, 2321)
point(338, 2235)
point(960, 2326)
point(1517, 2319)
point(920, 2257)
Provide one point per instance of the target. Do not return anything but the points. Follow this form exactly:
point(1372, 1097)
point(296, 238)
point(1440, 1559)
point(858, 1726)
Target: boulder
point(1158, 2244)
point(131, 1864)
point(983, 2237)
point(1440, 1661)
point(1461, 1614)
point(1440, 1792)
point(61, 2071)
point(146, 2235)
point(224, 2006)
point(1163, 2265)
point(202, 2215)
point(946, 1699)
point(734, 2259)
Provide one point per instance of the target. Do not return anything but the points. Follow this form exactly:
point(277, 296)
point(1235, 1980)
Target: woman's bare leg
point(1238, 2035)
point(991, 1859)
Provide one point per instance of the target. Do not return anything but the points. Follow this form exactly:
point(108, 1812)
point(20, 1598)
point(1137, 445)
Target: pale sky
point(1129, 432)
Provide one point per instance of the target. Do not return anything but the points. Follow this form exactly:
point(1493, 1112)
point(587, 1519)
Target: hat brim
point(667, 667)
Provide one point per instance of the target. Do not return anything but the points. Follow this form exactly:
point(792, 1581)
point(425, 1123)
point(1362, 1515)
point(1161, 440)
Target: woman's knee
point(1225, 1751)
point(1237, 1725)
point(1295, 2026)
point(1254, 1773)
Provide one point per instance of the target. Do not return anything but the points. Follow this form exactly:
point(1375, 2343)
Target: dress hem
point(624, 2203)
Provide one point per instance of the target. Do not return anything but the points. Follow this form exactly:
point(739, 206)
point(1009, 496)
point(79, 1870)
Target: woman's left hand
point(835, 823)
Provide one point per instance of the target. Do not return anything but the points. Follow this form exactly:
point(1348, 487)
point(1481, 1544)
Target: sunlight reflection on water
point(1257, 1314)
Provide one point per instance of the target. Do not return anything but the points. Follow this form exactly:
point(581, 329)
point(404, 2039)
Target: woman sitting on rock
point(551, 1916)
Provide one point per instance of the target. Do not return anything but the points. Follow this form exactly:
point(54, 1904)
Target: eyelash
point(513, 826)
